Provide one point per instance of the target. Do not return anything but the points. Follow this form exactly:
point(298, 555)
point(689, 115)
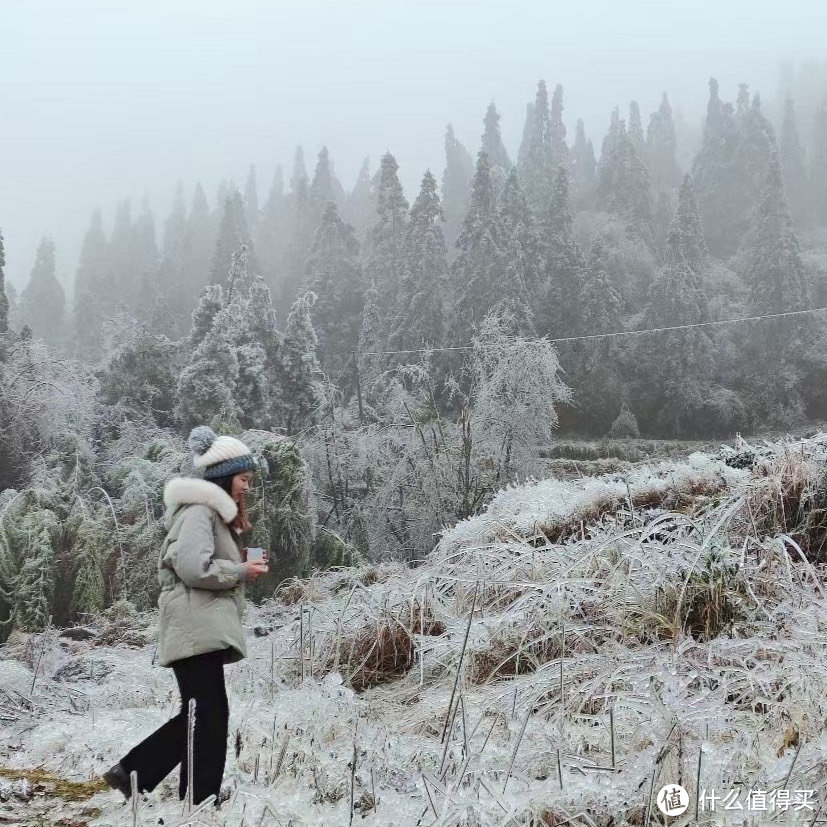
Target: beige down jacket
point(201, 573)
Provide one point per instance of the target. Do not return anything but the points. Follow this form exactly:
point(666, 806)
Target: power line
point(606, 335)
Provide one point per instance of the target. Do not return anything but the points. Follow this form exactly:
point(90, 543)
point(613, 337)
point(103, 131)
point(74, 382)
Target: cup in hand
point(256, 553)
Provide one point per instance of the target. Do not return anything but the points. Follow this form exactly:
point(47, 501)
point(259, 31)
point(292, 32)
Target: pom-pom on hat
point(219, 456)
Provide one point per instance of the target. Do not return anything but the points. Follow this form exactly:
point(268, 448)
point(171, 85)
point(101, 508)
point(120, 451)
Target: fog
point(102, 101)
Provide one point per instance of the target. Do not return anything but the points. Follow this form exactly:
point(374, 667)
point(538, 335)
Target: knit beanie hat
point(219, 456)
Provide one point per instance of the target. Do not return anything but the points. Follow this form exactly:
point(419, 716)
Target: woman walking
point(202, 570)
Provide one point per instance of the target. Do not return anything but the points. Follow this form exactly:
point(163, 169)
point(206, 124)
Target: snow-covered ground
point(625, 634)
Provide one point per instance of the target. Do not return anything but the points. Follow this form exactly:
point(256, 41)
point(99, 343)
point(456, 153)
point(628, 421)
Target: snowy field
point(556, 660)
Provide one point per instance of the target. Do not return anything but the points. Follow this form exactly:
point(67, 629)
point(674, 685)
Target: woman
point(202, 571)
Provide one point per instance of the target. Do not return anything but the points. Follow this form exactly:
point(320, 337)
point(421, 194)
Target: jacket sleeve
point(191, 555)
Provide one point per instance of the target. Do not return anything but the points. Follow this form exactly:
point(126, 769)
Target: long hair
point(241, 520)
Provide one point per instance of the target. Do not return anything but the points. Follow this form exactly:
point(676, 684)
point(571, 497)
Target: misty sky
point(102, 100)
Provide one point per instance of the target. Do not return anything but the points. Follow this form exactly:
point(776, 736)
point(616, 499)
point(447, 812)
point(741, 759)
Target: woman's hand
point(244, 554)
point(255, 568)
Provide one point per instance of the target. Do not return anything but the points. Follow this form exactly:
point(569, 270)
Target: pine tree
point(598, 388)
point(687, 233)
point(456, 180)
point(251, 212)
point(419, 320)
point(4, 301)
point(769, 260)
point(371, 338)
point(324, 187)
point(201, 237)
point(209, 303)
point(623, 183)
point(521, 228)
point(792, 165)
point(818, 166)
point(560, 305)
point(602, 305)
point(676, 365)
point(232, 235)
point(583, 171)
point(42, 302)
point(300, 387)
point(35, 583)
point(303, 222)
point(774, 351)
point(139, 377)
point(88, 593)
point(661, 146)
point(89, 290)
point(492, 142)
point(334, 275)
point(636, 130)
point(557, 130)
point(387, 258)
point(477, 272)
point(207, 385)
point(536, 157)
point(730, 167)
point(271, 236)
point(360, 206)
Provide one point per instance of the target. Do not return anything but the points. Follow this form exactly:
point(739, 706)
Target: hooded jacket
point(201, 603)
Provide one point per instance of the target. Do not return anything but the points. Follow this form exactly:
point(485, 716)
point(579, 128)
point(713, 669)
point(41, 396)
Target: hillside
point(556, 659)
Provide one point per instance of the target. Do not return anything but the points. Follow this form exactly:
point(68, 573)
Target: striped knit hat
point(219, 456)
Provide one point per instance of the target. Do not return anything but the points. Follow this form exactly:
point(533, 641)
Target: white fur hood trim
point(189, 490)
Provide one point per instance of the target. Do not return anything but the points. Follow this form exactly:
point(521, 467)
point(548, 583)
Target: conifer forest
point(541, 458)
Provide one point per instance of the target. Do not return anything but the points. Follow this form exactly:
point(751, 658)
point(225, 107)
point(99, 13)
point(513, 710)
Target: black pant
point(200, 677)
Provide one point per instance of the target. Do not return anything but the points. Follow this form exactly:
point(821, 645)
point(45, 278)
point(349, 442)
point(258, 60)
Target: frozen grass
point(553, 660)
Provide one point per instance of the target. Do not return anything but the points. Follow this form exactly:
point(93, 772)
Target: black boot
point(118, 779)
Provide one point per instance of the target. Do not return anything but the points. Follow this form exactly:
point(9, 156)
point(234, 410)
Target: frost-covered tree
point(818, 166)
point(688, 233)
point(4, 301)
point(583, 170)
point(271, 237)
point(335, 276)
point(209, 303)
point(387, 256)
point(676, 366)
point(359, 209)
point(89, 552)
point(231, 236)
point(661, 148)
point(34, 585)
point(793, 166)
point(139, 376)
point(597, 387)
point(301, 385)
point(478, 269)
point(371, 338)
point(557, 130)
point(207, 385)
point(523, 274)
point(456, 181)
point(302, 224)
point(492, 142)
point(560, 307)
point(251, 212)
point(325, 186)
point(515, 385)
point(623, 183)
point(535, 160)
point(730, 168)
point(775, 350)
point(418, 321)
point(636, 130)
point(43, 301)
